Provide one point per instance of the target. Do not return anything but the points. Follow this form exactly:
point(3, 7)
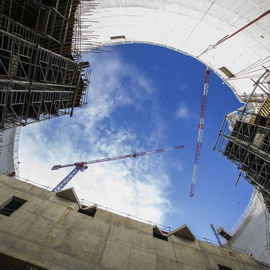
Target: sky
point(141, 98)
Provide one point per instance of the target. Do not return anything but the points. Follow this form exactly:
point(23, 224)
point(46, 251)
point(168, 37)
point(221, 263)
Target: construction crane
point(204, 96)
point(81, 166)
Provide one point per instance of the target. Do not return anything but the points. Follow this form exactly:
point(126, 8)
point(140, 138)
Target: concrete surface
point(183, 232)
point(191, 27)
point(252, 234)
point(9, 151)
point(48, 231)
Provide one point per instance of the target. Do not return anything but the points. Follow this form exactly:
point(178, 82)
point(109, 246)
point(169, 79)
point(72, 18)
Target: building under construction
point(39, 77)
point(244, 139)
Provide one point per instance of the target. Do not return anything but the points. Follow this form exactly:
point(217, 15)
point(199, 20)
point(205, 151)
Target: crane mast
point(64, 182)
point(200, 130)
point(81, 166)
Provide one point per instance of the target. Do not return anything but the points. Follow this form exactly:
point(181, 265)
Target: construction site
point(40, 78)
point(43, 76)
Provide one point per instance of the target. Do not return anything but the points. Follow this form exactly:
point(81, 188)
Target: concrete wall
point(49, 232)
point(8, 152)
point(191, 27)
point(252, 235)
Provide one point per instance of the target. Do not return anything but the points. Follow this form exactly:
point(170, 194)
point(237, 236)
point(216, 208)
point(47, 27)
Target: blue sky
point(141, 98)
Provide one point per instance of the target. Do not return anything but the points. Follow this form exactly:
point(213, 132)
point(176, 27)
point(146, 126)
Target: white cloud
point(136, 186)
point(183, 112)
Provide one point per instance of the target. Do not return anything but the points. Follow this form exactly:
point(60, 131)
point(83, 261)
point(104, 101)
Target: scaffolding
point(39, 77)
point(244, 139)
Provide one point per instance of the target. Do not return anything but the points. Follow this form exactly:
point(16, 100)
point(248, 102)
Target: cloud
point(137, 186)
point(183, 112)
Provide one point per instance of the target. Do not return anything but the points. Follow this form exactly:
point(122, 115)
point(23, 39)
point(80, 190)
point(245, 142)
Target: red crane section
point(201, 128)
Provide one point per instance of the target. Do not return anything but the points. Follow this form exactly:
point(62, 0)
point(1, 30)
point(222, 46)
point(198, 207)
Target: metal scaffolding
point(244, 139)
point(39, 78)
point(248, 147)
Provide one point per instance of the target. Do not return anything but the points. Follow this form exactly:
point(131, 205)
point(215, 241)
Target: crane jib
point(81, 166)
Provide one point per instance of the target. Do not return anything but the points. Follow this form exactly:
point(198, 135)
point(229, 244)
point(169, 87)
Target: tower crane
point(204, 96)
point(82, 166)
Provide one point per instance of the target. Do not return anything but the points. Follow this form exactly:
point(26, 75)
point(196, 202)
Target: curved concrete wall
point(9, 151)
point(191, 27)
point(252, 235)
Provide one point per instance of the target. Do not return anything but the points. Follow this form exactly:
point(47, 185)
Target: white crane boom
point(81, 166)
point(81, 163)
